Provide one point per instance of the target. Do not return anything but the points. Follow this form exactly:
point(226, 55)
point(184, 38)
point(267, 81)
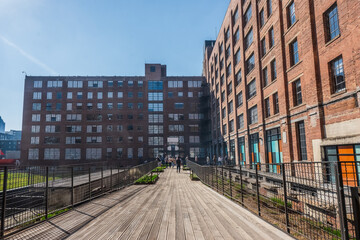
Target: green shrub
point(158, 169)
point(147, 179)
point(194, 177)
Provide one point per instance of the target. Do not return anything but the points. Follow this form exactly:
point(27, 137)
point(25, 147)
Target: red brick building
point(284, 81)
point(127, 120)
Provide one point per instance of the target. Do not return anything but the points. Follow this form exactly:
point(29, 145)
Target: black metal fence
point(31, 194)
point(309, 200)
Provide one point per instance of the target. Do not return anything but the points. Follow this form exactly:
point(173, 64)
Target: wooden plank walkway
point(174, 208)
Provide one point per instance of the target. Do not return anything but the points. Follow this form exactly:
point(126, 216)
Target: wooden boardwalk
point(174, 208)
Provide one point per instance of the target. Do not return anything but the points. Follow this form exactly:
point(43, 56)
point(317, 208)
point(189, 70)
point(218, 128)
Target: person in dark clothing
point(178, 164)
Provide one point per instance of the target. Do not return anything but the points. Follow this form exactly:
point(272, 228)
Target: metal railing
point(32, 194)
point(311, 200)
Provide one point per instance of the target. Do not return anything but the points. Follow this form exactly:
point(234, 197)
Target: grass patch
point(281, 202)
point(158, 169)
point(194, 177)
point(21, 179)
point(147, 179)
point(185, 168)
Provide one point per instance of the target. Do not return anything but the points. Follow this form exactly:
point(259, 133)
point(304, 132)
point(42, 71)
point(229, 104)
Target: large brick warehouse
point(284, 80)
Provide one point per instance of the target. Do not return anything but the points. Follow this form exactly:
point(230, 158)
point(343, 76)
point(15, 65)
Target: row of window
point(79, 84)
point(75, 153)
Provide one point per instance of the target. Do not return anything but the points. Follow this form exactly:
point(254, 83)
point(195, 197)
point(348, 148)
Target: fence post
point(111, 185)
point(72, 187)
point(222, 178)
point(118, 178)
point(285, 199)
point(102, 179)
point(47, 193)
point(230, 182)
point(341, 202)
point(217, 181)
point(241, 185)
point(257, 188)
point(89, 182)
point(3, 207)
point(356, 210)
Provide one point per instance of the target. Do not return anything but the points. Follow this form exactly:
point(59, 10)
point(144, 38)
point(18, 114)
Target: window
point(33, 154)
point(227, 52)
point(179, 105)
point(89, 95)
point(99, 95)
point(58, 106)
point(75, 84)
point(194, 128)
point(175, 84)
point(252, 89)
point(229, 88)
point(176, 128)
point(269, 7)
point(331, 21)
point(253, 115)
point(35, 129)
point(222, 79)
point(301, 137)
point(235, 15)
point(51, 140)
point(78, 106)
point(95, 84)
point(120, 105)
point(73, 117)
point(250, 63)
point(93, 139)
point(263, 47)
point(36, 95)
point(221, 64)
point(274, 149)
point(34, 140)
point(110, 94)
point(48, 107)
point(73, 129)
point(249, 39)
point(194, 151)
point(247, 15)
point(110, 106)
point(69, 95)
point(140, 94)
point(119, 152)
point(231, 126)
point(110, 83)
point(155, 107)
point(94, 128)
point(54, 84)
point(99, 106)
point(190, 94)
point(273, 70)
point(72, 153)
point(130, 105)
point(35, 117)
point(120, 83)
point(267, 107)
point(265, 76)
point(49, 95)
point(238, 77)
point(93, 153)
point(36, 106)
point(276, 103)
point(140, 106)
point(223, 112)
point(155, 141)
point(221, 49)
point(224, 129)
point(73, 140)
point(241, 121)
point(228, 70)
point(119, 128)
point(180, 94)
point(37, 84)
point(239, 98)
point(236, 36)
point(130, 95)
point(294, 53)
point(227, 34)
point(296, 86)
point(52, 129)
point(155, 96)
point(58, 95)
point(140, 152)
point(262, 18)
point(271, 38)
point(130, 83)
point(223, 96)
point(140, 83)
point(237, 57)
point(120, 95)
point(79, 95)
point(156, 129)
point(51, 153)
point(291, 14)
point(194, 139)
point(156, 118)
point(155, 85)
point(337, 74)
point(230, 107)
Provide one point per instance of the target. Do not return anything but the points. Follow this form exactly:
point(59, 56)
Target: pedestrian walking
point(178, 164)
point(207, 160)
point(214, 159)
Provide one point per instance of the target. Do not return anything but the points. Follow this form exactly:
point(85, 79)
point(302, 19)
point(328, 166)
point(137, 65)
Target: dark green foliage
point(147, 179)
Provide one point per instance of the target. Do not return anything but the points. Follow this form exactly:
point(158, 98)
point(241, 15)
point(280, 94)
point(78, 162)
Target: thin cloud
point(28, 56)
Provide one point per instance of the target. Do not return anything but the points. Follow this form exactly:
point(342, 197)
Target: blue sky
point(99, 37)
